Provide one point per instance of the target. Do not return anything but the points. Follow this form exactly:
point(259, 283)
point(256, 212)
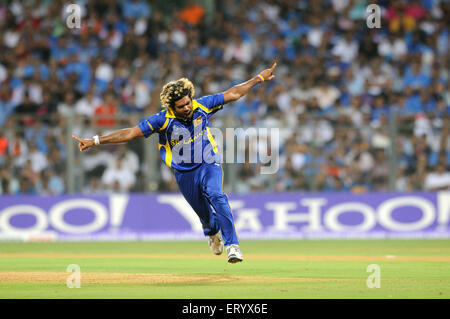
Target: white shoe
point(234, 254)
point(216, 243)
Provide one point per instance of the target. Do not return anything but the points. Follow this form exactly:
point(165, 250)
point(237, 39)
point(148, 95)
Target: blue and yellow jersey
point(185, 145)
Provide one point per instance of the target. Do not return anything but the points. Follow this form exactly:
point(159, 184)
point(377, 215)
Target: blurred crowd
point(359, 108)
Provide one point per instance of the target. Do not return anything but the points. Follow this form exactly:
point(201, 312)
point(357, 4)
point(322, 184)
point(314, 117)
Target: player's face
point(183, 108)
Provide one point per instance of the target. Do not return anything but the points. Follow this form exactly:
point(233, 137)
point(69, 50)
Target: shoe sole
point(234, 260)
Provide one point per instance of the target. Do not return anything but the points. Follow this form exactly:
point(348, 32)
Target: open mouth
point(187, 115)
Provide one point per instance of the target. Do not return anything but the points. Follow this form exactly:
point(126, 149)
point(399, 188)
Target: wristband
point(261, 77)
point(96, 140)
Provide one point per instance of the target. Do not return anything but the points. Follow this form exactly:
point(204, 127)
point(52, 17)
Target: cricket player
point(187, 146)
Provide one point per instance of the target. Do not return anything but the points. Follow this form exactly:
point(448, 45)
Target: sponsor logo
point(198, 121)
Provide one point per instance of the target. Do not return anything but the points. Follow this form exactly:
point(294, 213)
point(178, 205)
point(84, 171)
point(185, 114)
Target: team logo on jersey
point(198, 121)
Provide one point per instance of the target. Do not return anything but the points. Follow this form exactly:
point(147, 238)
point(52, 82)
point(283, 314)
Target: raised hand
point(84, 144)
point(267, 74)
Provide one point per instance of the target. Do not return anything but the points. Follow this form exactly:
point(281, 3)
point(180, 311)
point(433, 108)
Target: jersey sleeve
point(152, 124)
point(210, 104)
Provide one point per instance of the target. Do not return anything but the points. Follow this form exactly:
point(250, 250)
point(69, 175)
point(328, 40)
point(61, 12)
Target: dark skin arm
point(238, 91)
point(119, 136)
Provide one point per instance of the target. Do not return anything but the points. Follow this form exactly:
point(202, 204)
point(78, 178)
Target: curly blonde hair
point(175, 90)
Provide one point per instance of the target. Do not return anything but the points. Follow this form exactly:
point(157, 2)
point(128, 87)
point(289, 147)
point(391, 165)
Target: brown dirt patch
point(248, 257)
point(141, 278)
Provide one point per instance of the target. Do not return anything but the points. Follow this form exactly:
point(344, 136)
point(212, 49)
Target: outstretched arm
point(119, 136)
point(238, 91)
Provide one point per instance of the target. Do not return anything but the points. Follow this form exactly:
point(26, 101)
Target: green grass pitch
point(288, 269)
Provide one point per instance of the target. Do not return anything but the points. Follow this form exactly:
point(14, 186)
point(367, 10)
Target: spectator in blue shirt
point(415, 78)
point(413, 104)
point(134, 9)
